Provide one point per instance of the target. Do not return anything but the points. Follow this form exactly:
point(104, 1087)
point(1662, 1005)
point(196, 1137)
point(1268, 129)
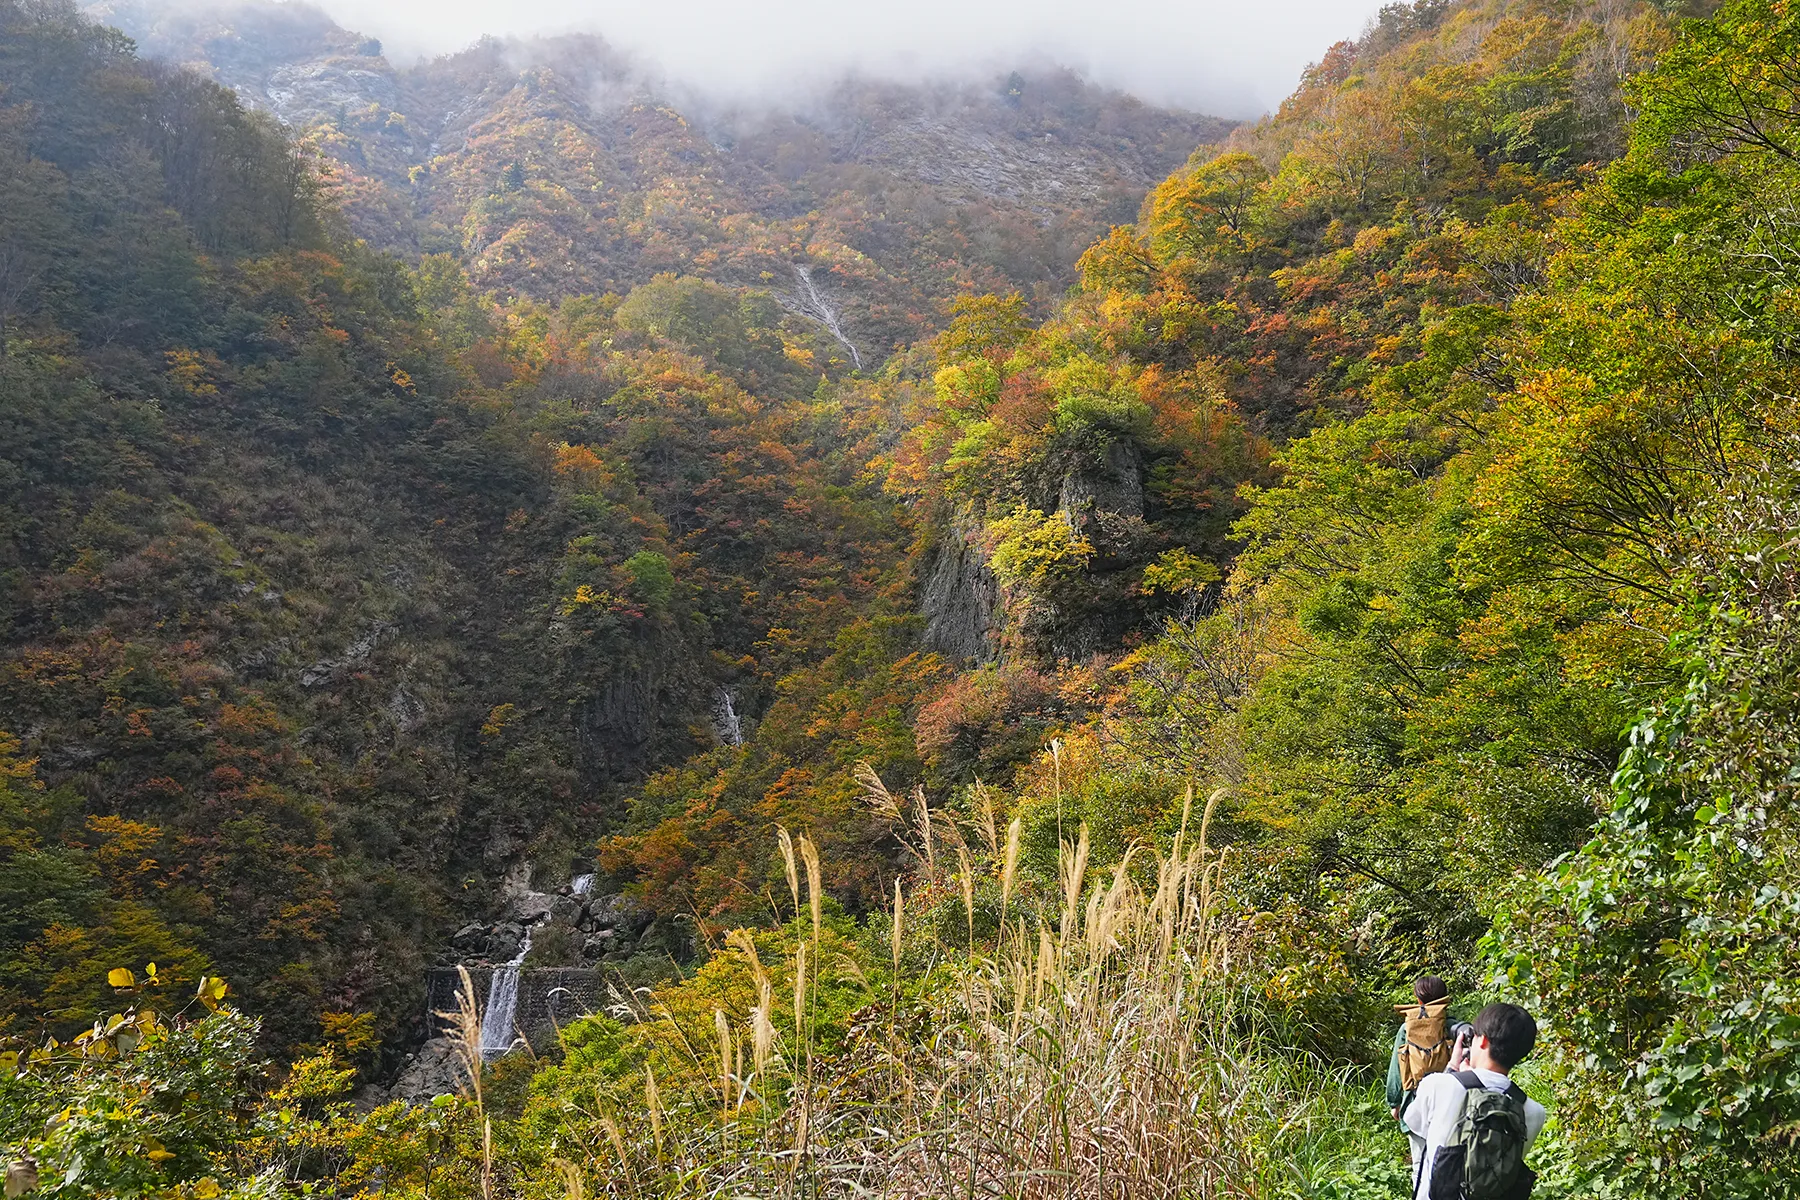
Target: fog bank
point(1226, 57)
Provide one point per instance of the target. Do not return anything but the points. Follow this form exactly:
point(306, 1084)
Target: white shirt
point(1433, 1113)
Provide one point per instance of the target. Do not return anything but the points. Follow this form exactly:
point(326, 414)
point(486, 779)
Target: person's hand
point(1396, 1113)
point(1459, 1057)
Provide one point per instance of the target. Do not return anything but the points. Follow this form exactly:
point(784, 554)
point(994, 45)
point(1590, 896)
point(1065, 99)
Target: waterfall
point(503, 1003)
point(726, 726)
point(814, 305)
point(581, 885)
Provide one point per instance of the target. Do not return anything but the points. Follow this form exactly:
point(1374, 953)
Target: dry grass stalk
point(815, 884)
point(898, 933)
point(571, 1175)
point(617, 1138)
point(464, 1023)
point(1072, 864)
point(886, 806)
point(967, 880)
point(1116, 1076)
point(653, 1105)
point(787, 862)
point(989, 823)
point(741, 941)
point(487, 1158)
point(914, 834)
point(922, 811)
point(723, 1028)
point(762, 1035)
point(800, 993)
point(1009, 865)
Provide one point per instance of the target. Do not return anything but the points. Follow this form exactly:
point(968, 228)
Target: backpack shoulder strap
point(1471, 1081)
point(1516, 1092)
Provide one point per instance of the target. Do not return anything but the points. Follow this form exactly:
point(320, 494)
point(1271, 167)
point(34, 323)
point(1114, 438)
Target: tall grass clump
point(1098, 1051)
point(1085, 1039)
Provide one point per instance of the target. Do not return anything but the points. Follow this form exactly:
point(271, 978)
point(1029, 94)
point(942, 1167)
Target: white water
point(726, 725)
point(503, 1004)
point(814, 305)
point(581, 885)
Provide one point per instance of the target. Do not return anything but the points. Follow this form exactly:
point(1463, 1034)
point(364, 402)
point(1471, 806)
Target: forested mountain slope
point(332, 594)
point(559, 166)
point(1080, 481)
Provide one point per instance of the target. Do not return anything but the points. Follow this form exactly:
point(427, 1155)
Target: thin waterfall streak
point(726, 725)
point(813, 304)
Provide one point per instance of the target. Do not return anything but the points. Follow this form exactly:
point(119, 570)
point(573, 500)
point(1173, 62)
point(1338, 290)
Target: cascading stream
point(503, 1003)
point(725, 719)
point(581, 885)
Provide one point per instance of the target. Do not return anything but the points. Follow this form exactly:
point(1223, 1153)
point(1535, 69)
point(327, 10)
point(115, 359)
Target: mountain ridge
point(558, 166)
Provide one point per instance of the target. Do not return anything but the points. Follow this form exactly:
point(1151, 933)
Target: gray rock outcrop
point(1114, 484)
point(961, 599)
point(434, 1069)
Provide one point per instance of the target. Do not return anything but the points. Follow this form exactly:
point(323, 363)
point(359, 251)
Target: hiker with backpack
point(1475, 1121)
point(1428, 1036)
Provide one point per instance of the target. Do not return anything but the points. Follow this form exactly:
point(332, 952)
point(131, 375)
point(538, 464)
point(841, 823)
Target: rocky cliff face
point(1103, 500)
point(961, 599)
point(618, 725)
point(1112, 485)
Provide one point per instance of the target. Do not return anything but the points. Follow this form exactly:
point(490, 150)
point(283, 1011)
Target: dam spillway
point(544, 999)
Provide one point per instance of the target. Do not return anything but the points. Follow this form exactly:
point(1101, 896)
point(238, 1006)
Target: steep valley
point(561, 637)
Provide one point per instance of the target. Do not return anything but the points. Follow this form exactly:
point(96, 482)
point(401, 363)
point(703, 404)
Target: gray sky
point(1230, 57)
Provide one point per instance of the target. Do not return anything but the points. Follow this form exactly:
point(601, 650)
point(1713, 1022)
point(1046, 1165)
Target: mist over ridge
point(1229, 60)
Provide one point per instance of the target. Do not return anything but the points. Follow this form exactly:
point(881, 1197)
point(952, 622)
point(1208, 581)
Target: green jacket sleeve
point(1395, 1092)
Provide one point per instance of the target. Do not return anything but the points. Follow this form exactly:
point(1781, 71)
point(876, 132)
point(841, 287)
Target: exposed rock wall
point(617, 726)
point(961, 599)
point(1114, 484)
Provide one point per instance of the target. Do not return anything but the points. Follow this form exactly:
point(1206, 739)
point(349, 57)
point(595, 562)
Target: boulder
point(517, 878)
point(527, 907)
point(621, 913)
point(471, 937)
point(503, 944)
point(566, 910)
point(435, 1070)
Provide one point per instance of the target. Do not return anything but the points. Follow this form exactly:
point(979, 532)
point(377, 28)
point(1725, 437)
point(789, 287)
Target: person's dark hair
point(1510, 1031)
point(1430, 989)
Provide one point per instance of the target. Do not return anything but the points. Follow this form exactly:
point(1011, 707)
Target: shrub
point(986, 722)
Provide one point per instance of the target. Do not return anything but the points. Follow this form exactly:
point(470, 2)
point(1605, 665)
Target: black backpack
point(1484, 1157)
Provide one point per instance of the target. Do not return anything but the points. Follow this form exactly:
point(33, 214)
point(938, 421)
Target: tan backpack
point(1426, 1047)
